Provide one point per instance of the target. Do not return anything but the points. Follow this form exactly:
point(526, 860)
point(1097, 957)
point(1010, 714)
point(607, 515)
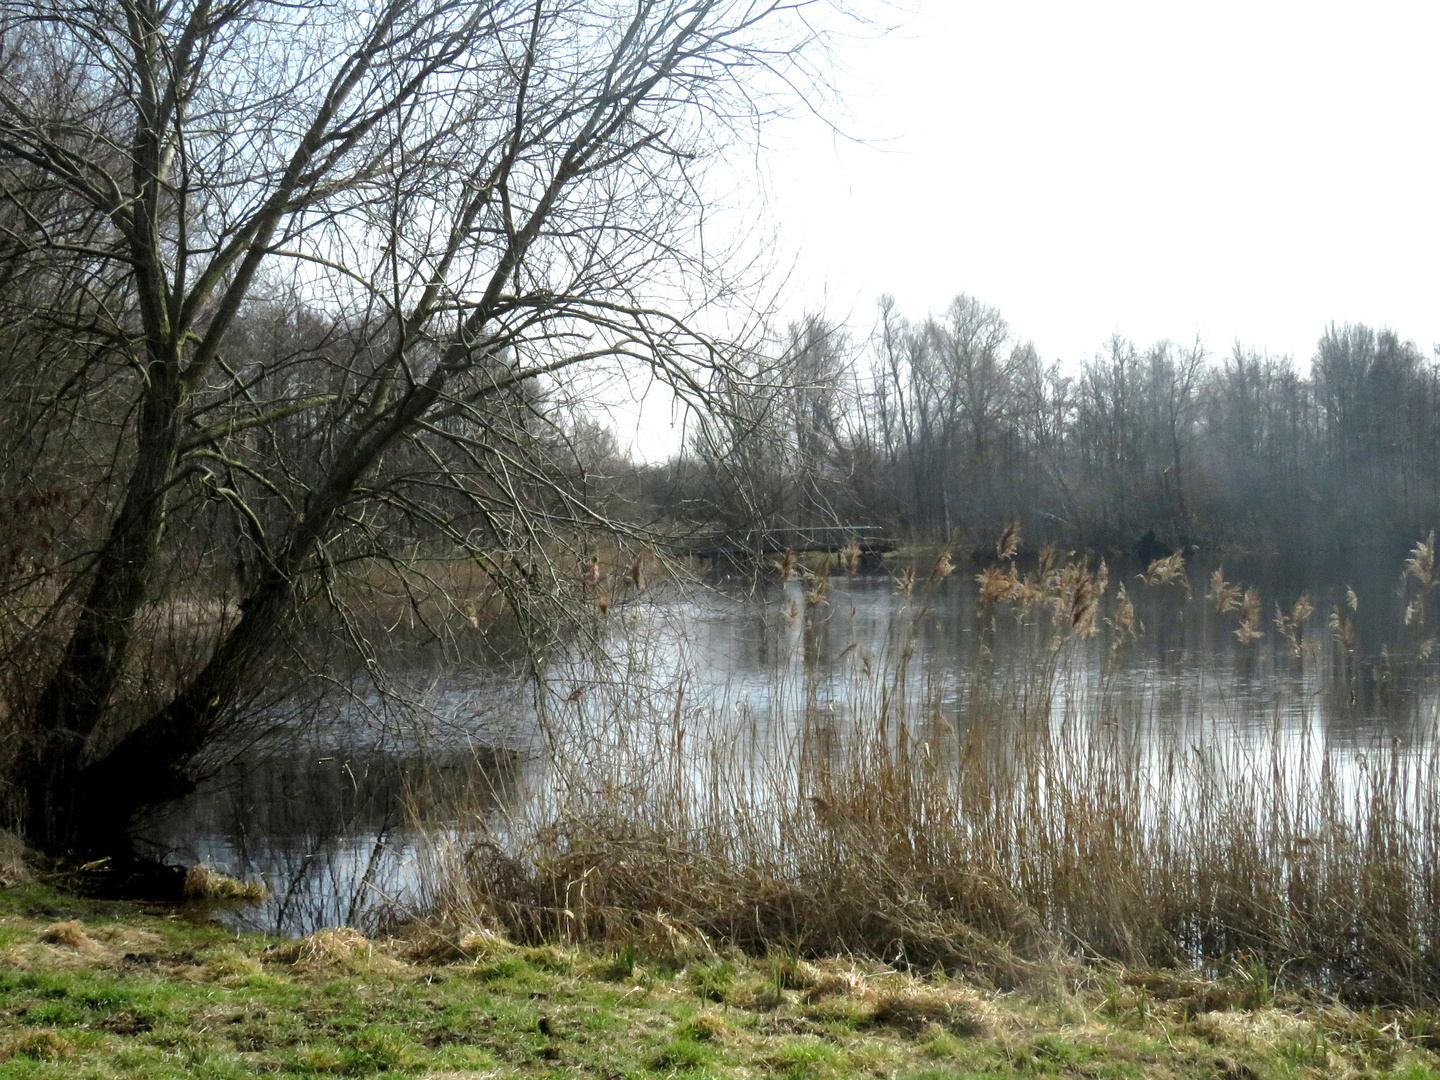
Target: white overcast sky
point(1240, 171)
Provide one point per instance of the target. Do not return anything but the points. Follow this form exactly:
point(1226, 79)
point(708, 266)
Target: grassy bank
point(114, 990)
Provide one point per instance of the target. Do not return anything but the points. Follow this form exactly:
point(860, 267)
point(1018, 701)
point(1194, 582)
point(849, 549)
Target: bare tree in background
point(772, 454)
point(447, 201)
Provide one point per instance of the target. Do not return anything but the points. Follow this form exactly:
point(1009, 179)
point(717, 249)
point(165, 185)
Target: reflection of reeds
point(992, 852)
point(1037, 818)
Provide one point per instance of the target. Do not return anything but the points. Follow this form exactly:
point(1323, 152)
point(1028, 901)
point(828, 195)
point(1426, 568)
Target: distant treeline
point(947, 428)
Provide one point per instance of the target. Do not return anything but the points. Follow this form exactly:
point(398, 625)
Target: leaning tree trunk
point(150, 766)
point(90, 796)
point(75, 700)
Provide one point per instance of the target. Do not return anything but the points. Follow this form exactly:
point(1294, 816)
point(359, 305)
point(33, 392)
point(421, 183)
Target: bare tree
point(454, 199)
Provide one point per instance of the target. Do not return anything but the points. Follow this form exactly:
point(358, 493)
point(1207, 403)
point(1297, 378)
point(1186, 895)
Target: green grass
point(201, 1002)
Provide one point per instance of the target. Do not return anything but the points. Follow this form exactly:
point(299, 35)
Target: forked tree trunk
point(82, 798)
point(74, 702)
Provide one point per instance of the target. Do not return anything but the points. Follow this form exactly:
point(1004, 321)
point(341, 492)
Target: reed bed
point(1015, 830)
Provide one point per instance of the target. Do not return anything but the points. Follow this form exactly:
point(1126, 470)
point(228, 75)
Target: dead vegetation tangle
point(1030, 827)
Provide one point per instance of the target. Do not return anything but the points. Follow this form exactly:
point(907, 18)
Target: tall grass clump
point(1010, 825)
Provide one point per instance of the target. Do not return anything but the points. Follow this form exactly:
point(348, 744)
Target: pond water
point(327, 819)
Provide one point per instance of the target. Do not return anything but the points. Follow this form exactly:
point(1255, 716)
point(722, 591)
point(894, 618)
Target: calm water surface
point(325, 818)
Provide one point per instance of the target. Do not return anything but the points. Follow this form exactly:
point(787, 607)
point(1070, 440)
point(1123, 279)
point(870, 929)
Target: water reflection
point(327, 822)
point(331, 831)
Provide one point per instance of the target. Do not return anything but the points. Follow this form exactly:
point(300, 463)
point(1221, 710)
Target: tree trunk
point(91, 802)
point(75, 700)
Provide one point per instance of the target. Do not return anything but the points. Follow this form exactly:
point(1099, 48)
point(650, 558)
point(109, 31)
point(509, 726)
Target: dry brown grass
point(428, 942)
point(1034, 826)
point(331, 947)
point(834, 984)
point(208, 884)
point(70, 934)
point(1009, 852)
point(41, 1046)
point(915, 1008)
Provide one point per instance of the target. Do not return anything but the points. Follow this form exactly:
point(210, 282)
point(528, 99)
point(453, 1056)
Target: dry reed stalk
point(1168, 571)
point(941, 570)
point(1124, 623)
point(1000, 846)
point(1224, 595)
point(1292, 626)
point(1421, 563)
point(1249, 628)
point(816, 595)
point(905, 583)
point(1342, 629)
point(786, 566)
point(1009, 542)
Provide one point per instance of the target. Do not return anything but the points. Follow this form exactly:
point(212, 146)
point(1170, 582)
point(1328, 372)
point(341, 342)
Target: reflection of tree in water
point(330, 831)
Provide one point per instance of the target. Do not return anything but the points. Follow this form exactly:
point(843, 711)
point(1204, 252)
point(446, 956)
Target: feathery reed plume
point(996, 585)
point(942, 569)
point(1421, 564)
point(816, 596)
point(792, 614)
point(1124, 622)
point(1077, 598)
point(1224, 595)
point(1006, 586)
point(1249, 628)
point(850, 557)
point(1049, 554)
point(1168, 571)
point(905, 583)
point(1292, 626)
point(1009, 541)
point(786, 565)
